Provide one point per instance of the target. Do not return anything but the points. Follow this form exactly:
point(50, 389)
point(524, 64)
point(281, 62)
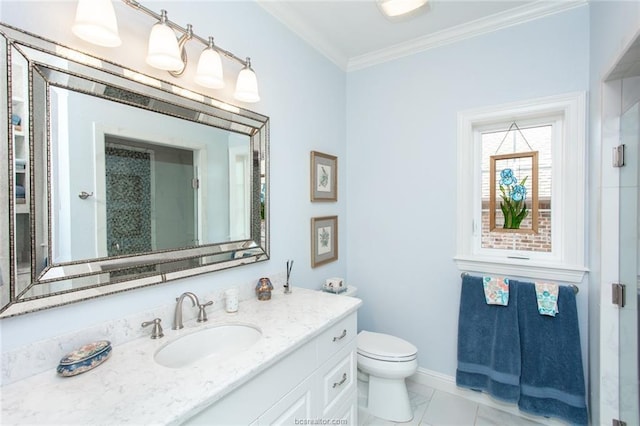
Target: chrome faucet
point(177, 316)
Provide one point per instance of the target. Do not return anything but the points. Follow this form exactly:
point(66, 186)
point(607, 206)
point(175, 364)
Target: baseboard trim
point(442, 382)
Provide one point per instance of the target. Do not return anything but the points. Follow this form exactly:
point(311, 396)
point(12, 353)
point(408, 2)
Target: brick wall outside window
point(540, 242)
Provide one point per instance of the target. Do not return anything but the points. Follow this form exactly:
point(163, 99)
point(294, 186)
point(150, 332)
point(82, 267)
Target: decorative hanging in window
point(514, 189)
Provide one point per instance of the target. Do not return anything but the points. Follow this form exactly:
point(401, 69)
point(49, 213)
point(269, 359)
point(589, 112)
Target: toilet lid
point(384, 346)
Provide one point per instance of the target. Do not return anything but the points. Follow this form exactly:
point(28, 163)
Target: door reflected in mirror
point(150, 196)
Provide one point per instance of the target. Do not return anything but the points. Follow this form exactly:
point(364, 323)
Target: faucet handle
point(202, 315)
point(156, 333)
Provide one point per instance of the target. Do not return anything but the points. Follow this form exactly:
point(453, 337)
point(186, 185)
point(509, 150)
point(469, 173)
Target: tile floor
point(438, 408)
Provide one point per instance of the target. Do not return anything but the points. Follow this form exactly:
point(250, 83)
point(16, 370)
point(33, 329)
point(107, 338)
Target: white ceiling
point(354, 34)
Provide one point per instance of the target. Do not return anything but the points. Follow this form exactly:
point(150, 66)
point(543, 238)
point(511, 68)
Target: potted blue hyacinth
point(514, 194)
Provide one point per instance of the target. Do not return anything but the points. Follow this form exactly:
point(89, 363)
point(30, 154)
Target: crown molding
point(515, 16)
point(293, 22)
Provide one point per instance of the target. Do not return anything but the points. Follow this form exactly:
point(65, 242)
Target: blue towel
point(552, 379)
point(488, 343)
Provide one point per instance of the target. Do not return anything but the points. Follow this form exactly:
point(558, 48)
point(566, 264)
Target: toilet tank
point(350, 291)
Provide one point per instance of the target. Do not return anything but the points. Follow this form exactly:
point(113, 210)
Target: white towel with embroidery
point(547, 297)
point(496, 290)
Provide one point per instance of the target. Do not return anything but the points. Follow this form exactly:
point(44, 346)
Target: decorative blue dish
point(85, 358)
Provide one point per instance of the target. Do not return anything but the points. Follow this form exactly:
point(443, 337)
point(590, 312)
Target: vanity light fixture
point(163, 47)
point(165, 50)
point(247, 85)
point(96, 23)
point(393, 8)
point(209, 71)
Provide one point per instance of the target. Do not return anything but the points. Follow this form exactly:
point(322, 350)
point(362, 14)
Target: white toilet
point(386, 361)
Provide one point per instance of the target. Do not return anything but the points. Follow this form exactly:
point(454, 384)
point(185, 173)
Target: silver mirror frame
point(44, 57)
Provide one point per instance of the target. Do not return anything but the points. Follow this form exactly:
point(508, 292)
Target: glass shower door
point(628, 267)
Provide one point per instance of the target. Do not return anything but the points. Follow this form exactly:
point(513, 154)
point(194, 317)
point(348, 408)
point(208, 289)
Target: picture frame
point(324, 240)
point(324, 177)
point(514, 180)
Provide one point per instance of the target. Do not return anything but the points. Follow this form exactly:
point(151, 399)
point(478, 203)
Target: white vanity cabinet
point(316, 381)
point(302, 370)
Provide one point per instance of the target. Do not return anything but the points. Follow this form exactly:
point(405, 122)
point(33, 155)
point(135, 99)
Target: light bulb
point(247, 85)
point(96, 23)
point(163, 51)
point(393, 8)
point(209, 71)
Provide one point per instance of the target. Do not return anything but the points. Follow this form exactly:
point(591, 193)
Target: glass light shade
point(163, 51)
point(400, 7)
point(247, 86)
point(209, 71)
point(96, 23)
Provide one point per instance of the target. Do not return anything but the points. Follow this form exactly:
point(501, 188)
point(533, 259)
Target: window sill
point(521, 268)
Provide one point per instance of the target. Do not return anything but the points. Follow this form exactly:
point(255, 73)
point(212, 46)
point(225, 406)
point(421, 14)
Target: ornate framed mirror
point(114, 180)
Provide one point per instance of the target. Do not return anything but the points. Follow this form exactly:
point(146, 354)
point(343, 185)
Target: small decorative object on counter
point(231, 300)
point(334, 285)
point(263, 289)
point(287, 286)
point(85, 358)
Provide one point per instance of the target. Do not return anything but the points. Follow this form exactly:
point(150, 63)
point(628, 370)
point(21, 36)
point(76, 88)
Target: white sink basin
point(215, 342)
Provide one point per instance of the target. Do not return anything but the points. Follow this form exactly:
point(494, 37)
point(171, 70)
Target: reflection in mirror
point(21, 171)
point(136, 181)
point(6, 207)
point(121, 180)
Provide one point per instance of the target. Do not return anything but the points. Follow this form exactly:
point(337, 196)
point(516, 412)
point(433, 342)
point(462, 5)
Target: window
point(521, 189)
point(525, 153)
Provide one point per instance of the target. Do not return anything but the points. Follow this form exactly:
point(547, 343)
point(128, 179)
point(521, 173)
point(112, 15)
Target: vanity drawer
point(337, 337)
point(338, 378)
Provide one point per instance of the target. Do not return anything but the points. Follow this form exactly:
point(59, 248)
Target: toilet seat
point(386, 358)
point(384, 347)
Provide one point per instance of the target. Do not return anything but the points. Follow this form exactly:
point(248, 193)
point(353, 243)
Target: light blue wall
point(401, 149)
point(303, 94)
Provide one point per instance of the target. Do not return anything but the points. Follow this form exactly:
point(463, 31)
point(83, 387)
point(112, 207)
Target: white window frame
point(566, 263)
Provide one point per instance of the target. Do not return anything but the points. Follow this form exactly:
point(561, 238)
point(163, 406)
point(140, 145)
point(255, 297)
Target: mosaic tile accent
point(128, 200)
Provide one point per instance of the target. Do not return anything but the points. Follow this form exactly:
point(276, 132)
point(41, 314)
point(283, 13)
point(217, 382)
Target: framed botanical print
point(324, 177)
point(324, 240)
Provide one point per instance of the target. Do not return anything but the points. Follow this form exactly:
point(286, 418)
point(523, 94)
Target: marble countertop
point(131, 388)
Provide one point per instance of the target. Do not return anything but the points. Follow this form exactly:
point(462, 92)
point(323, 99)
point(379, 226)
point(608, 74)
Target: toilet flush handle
point(342, 336)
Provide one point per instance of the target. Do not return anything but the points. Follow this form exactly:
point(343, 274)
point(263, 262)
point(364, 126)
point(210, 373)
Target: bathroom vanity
point(303, 367)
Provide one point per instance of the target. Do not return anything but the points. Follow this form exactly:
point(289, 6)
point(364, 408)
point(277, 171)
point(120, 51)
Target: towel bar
point(575, 287)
